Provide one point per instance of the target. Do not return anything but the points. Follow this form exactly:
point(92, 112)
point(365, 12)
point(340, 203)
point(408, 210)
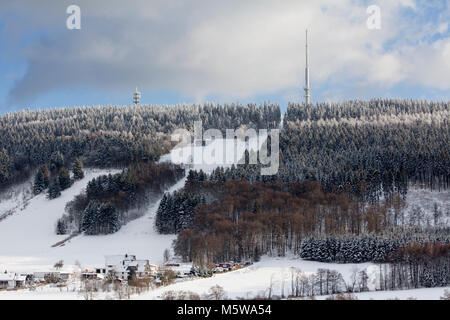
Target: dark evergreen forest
point(370, 148)
point(110, 136)
point(106, 203)
point(373, 149)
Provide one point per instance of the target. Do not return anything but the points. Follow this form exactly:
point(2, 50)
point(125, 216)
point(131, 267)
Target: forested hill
point(110, 136)
point(370, 148)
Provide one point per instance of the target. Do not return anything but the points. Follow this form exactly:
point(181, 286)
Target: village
point(119, 270)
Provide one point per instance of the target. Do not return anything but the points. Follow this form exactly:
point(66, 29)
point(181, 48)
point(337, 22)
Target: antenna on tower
point(136, 97)
point(307, 95)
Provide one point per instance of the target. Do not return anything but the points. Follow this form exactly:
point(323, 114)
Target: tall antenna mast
point(307, 95)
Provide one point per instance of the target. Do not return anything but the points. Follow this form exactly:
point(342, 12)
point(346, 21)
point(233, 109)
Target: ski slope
point(27, 235)
point(26, 238)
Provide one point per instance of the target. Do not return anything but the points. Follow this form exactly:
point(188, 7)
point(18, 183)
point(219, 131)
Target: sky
point(234, 51)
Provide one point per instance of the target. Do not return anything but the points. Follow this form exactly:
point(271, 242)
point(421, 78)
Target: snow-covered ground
point(277, 272)
point(246, 283)
point(257, 278)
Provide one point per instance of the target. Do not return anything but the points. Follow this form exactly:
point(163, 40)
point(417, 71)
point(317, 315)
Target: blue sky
point(225, 52)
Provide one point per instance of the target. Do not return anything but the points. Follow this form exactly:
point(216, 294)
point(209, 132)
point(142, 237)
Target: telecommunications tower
point(307, 95)
point(136, 97)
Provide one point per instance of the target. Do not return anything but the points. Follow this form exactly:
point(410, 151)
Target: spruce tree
point(38, 183)
point(160, 214)
point(77, 169)
point(4, 174)
point(54, 190)
point(64, 178)
point(61, 227)
point(41, 180)
point(89, 217)
point(4, 164)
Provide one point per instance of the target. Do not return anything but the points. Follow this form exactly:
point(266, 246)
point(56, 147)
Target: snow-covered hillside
point(27, 236)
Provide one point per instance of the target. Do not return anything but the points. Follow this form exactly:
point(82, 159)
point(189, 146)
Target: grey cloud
point(199, 48)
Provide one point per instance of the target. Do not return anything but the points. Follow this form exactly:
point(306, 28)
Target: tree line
point(381, 247)
point(107, 136)
point(242, 221)
point(110, 201)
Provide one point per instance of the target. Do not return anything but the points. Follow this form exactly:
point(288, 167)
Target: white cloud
point(430, 64)
point(442, 28)
point(387, 69)
point(226, 48)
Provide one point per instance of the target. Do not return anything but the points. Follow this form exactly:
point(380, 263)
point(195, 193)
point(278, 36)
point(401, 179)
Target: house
point(11, 280)
point(122, 266)
point(100, 270)
point(20, 281)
